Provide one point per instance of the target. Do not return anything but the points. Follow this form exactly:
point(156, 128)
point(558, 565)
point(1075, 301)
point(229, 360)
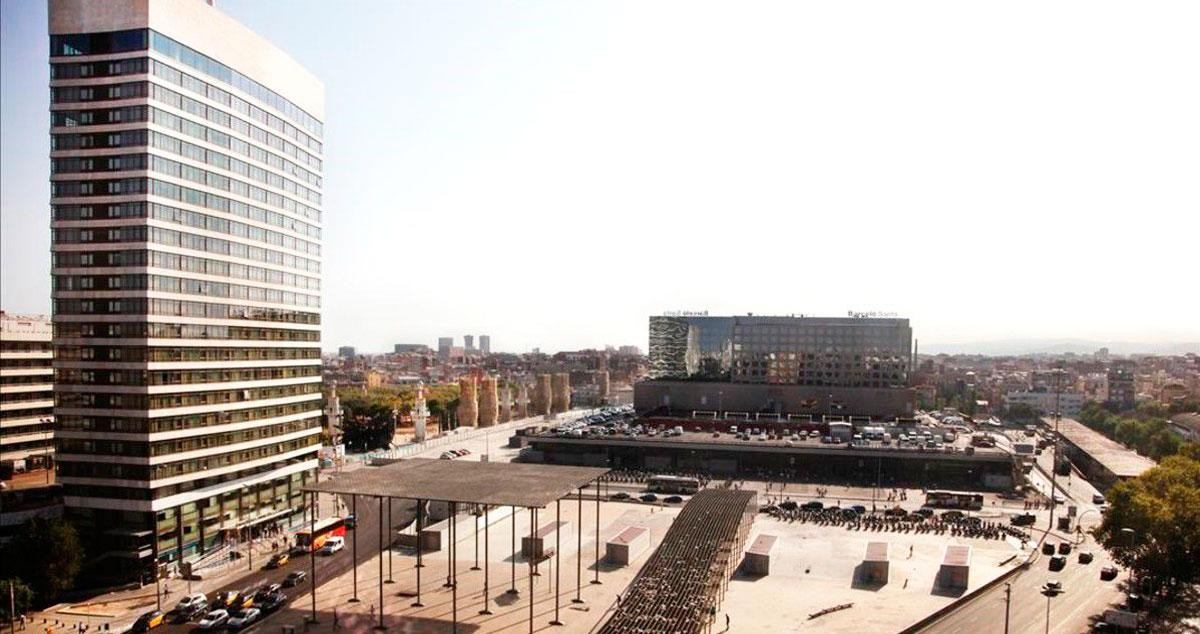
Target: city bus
point(673, 484)
point(325, 528)
point(954, 500)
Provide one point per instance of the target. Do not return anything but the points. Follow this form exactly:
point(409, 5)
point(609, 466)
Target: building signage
point(870, 314)
point(685, 313)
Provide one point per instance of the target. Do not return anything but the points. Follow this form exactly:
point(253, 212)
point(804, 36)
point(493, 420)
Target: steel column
point(389, 547)
point(532, 529)
point(454, 566)
point(420, 518)
point(513, 567)
point(579, 553)
point(380, 626)
point(557, 557)
point(596, 581)
point(486, 570)
point(312, 554)
point(476, 566)
point(354, 546)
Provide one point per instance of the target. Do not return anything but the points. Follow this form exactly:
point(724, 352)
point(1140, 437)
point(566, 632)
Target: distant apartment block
point(1122, 390)
point(445, 347)
point(409, 348)
point(469, 343)
point(347, 352)
point(1069, 403)
point(26, 395)
point(485, 344)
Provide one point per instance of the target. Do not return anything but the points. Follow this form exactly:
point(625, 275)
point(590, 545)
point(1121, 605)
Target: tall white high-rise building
point(186, 197)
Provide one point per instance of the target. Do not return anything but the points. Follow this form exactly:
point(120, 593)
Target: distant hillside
point(1005, 347)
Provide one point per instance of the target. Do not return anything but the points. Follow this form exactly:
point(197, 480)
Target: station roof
point(1120, 460)
point(492, 483)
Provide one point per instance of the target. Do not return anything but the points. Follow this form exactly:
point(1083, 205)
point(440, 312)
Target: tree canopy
point(1145, 429)
point(46, 554)
point(1162, 507)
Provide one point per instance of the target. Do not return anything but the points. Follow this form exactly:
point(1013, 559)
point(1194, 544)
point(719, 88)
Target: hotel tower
point(186, 156)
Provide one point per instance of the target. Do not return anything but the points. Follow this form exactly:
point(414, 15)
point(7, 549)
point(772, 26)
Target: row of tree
point(1153, 522)
point(39, 564)
point(370, 417)
point(1144, 429)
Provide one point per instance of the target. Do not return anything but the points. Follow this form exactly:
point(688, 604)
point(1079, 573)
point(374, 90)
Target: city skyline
point(1048, 267)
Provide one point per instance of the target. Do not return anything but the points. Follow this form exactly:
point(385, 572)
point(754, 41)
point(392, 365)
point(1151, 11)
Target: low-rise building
point(1067, 403)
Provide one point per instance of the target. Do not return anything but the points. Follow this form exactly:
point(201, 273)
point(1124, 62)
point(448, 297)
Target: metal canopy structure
point(488, 483)
point(477, 487)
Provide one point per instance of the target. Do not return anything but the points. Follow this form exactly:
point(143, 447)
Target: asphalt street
point(327, 566)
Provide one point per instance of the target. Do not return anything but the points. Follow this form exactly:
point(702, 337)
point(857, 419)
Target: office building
point(26, 396)
point(469, 343)
point(485, 344)
point(445, 347)
point(813, 351)
point(411, 348)
point(186, 158)
point(347, 352)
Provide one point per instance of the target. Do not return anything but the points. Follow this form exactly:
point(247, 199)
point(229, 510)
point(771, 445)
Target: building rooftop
point(1120, 460)
point(493, 483)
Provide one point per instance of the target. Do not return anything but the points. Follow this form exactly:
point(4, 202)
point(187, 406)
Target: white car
point(191, 601)
point(332, 545)
point(243, 618)
point(214, 620)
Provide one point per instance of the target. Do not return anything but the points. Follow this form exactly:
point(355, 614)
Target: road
point(327, 567)
point(1086, 595)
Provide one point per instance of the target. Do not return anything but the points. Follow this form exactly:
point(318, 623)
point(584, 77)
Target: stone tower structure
point(542, 396)
point(468, 403)
point(560, 393)
point(488, 402)
point(506, 409)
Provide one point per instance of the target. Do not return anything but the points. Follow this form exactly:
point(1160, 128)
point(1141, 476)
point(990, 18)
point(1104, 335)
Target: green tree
point(1162, 508)
point(46, 553)
point(22, 596)
point(1022, 413)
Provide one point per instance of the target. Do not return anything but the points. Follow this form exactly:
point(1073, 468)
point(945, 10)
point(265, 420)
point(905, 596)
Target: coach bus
point(673, 484)
point(954, 500)
point(310, 540)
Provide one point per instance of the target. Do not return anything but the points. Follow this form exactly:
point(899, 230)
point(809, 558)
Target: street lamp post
point(1131, 535)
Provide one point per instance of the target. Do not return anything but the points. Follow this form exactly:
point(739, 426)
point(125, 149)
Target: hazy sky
point(551, 173)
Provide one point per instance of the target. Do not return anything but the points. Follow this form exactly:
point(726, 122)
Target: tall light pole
point(1058, 372)
point(1131, 534)
point(1007, 603)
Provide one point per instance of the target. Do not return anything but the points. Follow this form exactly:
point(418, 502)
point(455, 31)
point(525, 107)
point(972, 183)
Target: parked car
point(225, 598)
point(1085, 557)
point(674, 499)
point(812, 506)
point(1054, 586)
point(1098, 499)
point(1064, 548)
point(620, 495)
point(148, 621)
point(243, 618)
point(1108, 573)
point(271, 602)
point(294, 578)
point(1048, 548)
point(214, 620)
point(351, 521)
point(648, 497)
point(190, 607)
point(1024, 519)
point(270, 588)
point(1058, 562)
